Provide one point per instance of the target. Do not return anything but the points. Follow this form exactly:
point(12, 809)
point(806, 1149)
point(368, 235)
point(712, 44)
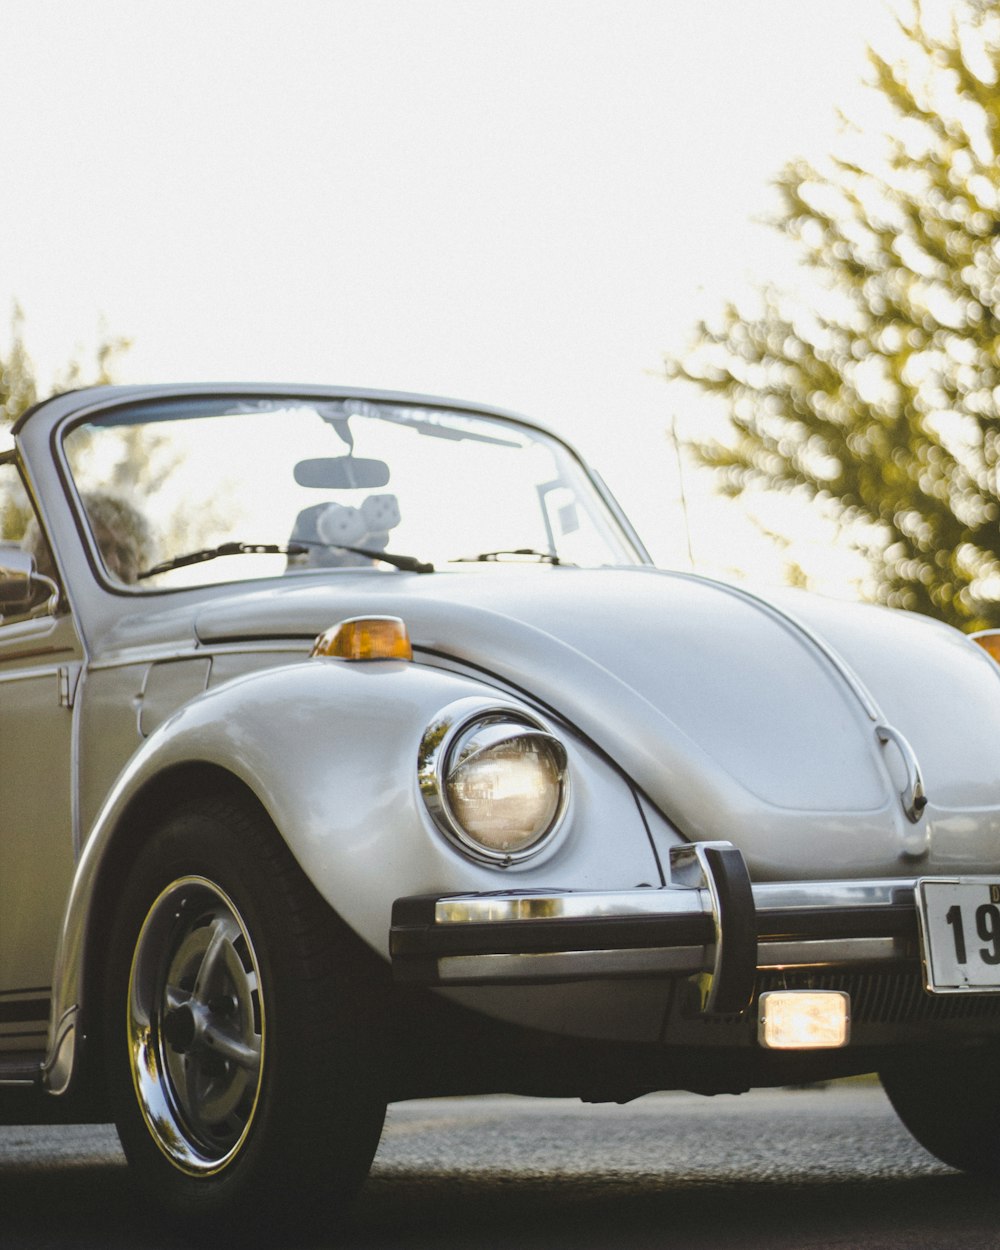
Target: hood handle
point(912, 795)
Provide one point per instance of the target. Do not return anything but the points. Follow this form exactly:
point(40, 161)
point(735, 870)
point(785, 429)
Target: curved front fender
point(330, 749)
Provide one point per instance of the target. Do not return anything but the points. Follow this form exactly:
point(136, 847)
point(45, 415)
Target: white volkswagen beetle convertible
point(353, 750)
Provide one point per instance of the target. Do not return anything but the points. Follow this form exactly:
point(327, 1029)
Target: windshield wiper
point(496, 557)
point(409, 564)
point(224, 549)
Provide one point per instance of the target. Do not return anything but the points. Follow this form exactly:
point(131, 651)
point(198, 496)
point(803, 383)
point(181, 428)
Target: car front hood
point(742, 718)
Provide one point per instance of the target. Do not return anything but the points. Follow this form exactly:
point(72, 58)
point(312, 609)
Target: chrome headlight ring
point(494, 780)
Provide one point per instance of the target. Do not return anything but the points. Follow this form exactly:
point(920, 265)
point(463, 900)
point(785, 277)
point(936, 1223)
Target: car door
point(40, 662)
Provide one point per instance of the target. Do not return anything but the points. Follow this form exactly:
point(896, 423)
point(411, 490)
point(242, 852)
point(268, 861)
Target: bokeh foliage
point(19, 389)
point(877, 397)
point(144, 457)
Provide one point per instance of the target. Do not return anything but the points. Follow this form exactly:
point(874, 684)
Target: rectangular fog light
point(803, 1019)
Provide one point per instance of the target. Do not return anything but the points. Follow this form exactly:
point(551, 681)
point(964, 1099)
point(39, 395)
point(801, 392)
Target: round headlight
point(495, 784)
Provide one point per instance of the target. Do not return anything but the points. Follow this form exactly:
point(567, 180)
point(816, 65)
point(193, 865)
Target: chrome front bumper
point(720, 925)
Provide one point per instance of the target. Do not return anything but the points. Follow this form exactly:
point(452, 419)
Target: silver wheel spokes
point(196, 1025)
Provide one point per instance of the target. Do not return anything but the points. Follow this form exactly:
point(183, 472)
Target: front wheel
point(949, 1099)
point(243, 1026)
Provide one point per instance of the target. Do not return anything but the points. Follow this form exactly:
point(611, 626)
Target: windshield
point(189, 492)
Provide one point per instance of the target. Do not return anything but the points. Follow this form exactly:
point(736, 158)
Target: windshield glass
point(320, 485)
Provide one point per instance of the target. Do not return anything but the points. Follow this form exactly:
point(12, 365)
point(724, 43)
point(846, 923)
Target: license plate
point(960, 934)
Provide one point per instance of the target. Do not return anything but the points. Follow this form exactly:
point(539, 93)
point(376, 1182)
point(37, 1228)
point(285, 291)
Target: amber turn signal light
point(365, 638)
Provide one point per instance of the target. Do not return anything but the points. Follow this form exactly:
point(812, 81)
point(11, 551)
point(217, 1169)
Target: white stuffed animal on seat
point(339, 525)
point(380, 514)
point(330, 529)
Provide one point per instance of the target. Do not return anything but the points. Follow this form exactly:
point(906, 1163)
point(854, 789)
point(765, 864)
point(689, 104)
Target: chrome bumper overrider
point(725, 927)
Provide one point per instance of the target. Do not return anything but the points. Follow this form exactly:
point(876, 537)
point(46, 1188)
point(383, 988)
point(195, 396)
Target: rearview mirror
point(342, 473)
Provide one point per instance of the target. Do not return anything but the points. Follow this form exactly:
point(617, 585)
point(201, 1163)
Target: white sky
point(523, 202)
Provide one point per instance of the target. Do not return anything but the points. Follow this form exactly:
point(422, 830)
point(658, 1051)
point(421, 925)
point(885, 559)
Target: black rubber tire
point(949, 1099)
point(277, 1143)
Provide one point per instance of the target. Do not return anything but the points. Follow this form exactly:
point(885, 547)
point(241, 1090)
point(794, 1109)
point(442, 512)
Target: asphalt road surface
point(823, 1168)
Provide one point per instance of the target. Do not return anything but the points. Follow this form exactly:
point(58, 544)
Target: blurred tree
point(19, 390)
point(143, 458)
point(880, 400)
point(19, 385)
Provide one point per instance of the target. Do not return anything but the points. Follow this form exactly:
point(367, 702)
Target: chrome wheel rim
point(196, 1026)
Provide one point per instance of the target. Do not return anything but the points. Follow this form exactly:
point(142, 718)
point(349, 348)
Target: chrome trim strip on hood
point(829, 653)
point(912, 797)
